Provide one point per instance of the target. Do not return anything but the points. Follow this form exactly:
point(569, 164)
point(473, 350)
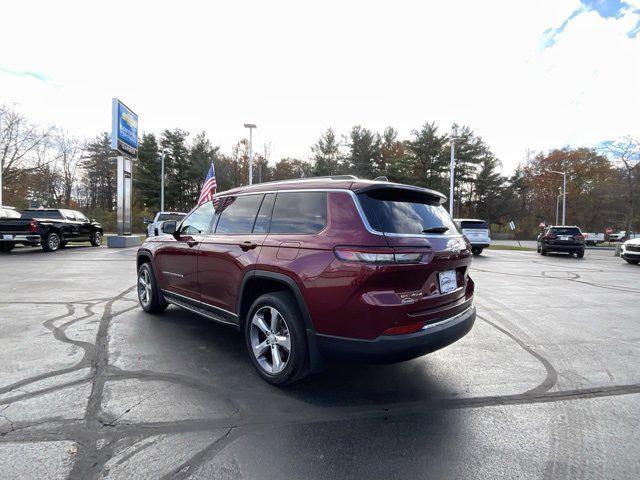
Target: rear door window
point(263, 220)
point(404, 212)
point(237, 214)
point(299, 212)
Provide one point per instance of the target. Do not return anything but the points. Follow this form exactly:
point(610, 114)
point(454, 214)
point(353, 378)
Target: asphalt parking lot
point(546, 385)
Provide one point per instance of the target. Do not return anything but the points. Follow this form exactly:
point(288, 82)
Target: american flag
point(209, 187)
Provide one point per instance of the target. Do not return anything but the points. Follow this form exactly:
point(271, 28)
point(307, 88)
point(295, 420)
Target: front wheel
point(96, 239)
point(149, 295)
point(275, 339)
point(51, 242)
point(6, 247)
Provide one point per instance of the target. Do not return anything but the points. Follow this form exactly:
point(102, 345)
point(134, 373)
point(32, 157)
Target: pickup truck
point(52, 228)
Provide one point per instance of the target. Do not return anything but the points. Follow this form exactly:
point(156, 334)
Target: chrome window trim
point(356, 202)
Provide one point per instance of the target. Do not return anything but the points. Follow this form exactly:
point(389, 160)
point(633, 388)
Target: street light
point(558, 206)
point(564, 194)
point(163, 153)
point(250, 126)
point(452, 167)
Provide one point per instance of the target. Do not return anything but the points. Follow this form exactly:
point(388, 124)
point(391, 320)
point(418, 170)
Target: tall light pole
point(163, 153)
point(564, 194)
point(452, 168)
point(250, 126)
point(558, 207)
point(0, 182)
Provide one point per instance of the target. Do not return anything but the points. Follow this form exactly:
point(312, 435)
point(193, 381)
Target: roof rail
point(329, 177)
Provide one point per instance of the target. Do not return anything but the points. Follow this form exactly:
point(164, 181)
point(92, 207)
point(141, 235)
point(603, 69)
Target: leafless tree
point(626, 155)
point(18, 140)
point(69, 151)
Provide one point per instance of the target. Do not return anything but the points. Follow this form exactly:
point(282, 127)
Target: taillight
point(33, 226)
point(550, 236)
point(578, 237)
point(376, 255)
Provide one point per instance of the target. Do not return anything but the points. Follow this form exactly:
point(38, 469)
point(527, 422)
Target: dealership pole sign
point(124, 129)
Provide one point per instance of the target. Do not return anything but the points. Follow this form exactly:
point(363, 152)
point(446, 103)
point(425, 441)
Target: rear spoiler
point(406, 192)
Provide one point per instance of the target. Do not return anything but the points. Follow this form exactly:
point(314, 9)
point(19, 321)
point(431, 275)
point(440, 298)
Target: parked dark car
point(565, 239)
point(52, 228)
point(316, 269)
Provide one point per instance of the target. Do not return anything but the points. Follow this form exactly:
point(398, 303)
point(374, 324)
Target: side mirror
point(169, 227)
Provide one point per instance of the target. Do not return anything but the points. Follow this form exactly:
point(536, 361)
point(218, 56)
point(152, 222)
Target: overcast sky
point(522, 74)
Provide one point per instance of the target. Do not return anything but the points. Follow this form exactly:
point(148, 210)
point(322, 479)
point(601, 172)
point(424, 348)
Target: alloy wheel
point(97, 238)
point(270, 340)
point(54, 242)
point(144, 287)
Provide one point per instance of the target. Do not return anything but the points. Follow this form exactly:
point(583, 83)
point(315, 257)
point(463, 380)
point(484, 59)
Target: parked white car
point(8, 212)
point(477, 231)
point(630, 250)
point(155, 228)
point(593, 238)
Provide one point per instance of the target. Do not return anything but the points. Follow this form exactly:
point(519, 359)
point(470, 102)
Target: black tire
point(633, 262)
point(51, 242)
point(156, 303)
point(96, 239)
point(290, 326)
point(6, 247)
point(543, 251)
point(580, 254)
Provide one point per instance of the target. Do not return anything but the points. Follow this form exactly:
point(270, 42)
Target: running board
point(200, 311)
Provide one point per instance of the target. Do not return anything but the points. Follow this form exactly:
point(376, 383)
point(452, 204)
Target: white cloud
point(296, 68)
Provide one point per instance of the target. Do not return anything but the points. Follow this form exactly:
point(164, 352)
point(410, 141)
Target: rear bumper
point(26, 239)
point(563, 248)
point(480, 244)
point(397, 348)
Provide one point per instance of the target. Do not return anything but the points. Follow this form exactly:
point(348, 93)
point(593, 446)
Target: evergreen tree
point(177, 170)
point(427, 157)
point(201, 154)
point(146, 178)
point(326, 155)
point(364, 152)
point(99, 173)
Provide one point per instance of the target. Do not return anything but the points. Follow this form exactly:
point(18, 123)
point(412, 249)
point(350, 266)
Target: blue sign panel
point(124, 129)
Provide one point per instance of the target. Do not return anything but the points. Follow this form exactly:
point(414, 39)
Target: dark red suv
point(317, 269)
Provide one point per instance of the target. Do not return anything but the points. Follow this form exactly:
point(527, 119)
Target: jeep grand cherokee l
point(317, 269)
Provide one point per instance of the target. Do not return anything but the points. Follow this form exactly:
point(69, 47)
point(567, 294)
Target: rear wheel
point(580, 254)
point(275, 339)
point(543, 251)
point(51, 242)
point(6, 247)
point(96, 239)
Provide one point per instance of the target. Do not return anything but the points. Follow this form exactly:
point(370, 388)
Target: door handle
point(248, 245)
point(192, 243)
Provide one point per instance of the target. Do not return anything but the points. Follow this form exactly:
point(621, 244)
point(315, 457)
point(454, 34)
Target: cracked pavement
point(545, 386)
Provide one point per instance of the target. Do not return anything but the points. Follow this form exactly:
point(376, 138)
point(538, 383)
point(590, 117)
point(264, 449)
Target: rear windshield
point(170, 216)
point(405, 212)
point(474, 224)
point(566, 231)
point(42, 214)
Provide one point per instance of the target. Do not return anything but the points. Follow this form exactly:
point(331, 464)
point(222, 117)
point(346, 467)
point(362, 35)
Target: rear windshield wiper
point(435, 229)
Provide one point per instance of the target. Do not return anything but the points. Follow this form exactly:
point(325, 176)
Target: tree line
point(47, 166)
